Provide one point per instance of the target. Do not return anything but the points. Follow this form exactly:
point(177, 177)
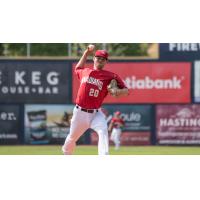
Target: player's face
point(117, 115)
point(99, 62)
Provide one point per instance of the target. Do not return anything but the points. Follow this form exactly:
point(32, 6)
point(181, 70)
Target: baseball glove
point(112, 87)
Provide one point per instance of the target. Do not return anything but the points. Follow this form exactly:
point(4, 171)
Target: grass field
point(92, 150)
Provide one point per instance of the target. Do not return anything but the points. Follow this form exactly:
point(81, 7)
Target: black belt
point(87, 110)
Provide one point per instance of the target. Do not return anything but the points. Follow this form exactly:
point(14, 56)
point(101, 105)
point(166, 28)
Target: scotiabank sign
point(152, 82)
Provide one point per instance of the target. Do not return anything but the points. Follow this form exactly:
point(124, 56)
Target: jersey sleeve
point(120, 82)
point(112, 120)
point(123, 122)
point(78, 72)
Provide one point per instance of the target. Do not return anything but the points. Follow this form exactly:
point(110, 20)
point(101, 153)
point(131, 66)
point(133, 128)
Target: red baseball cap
point(101, 53)
point(117, 112)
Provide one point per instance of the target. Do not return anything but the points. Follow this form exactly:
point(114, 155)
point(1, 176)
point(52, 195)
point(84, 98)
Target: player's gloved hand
point(112, 88)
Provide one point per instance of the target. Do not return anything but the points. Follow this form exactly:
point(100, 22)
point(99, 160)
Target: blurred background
point(74, 50)
point(38, 89)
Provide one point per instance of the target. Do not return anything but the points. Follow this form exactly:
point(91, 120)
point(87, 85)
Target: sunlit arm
point(82, 60)
point(119, 92)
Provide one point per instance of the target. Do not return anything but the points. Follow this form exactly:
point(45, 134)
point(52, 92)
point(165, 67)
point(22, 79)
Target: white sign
point(197, 81)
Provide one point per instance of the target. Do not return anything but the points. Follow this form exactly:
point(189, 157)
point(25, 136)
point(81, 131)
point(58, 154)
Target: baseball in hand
point(91, 47)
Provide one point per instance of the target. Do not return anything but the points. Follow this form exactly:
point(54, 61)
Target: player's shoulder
point(109, 73)
point(85, 69)
point(106, 71)
point(114, 119)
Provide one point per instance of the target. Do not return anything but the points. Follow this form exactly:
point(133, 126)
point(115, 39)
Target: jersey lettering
point(92, 81)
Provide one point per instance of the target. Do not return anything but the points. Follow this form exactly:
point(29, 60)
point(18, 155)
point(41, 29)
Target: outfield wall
point(37, 99)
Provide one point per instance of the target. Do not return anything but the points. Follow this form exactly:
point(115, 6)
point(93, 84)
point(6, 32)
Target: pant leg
point(117, 138)
point(99, 124)
point(112, 136)
point(79, 124)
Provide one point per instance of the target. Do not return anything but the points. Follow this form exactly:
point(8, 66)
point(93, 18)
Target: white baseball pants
point(80, 122)
point(115, 137)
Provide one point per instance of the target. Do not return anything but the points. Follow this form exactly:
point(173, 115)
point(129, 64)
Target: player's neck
point(96, 68)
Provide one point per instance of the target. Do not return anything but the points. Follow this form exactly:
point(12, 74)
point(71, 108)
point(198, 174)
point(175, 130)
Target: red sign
point(127, 138)
point(178, 124)
point(150, 82)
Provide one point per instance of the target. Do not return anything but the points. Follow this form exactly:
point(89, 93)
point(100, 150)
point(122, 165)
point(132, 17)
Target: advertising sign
point(9, 124)
point(127, 138)
point(136, 117)
point(150, 82)
point(25, 81)
point(197, 81)
point(47, 124)
point(137, 126)
point(178, 124)
point(179, 51)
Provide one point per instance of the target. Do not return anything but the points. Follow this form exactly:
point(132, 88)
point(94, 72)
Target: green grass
point(92, 150)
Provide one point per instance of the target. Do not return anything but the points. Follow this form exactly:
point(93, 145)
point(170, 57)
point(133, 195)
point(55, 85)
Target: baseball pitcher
point(94, 87)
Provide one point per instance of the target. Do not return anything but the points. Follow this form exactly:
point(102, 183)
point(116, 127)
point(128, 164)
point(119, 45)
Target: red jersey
point(117, 122)
point(93, 86)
